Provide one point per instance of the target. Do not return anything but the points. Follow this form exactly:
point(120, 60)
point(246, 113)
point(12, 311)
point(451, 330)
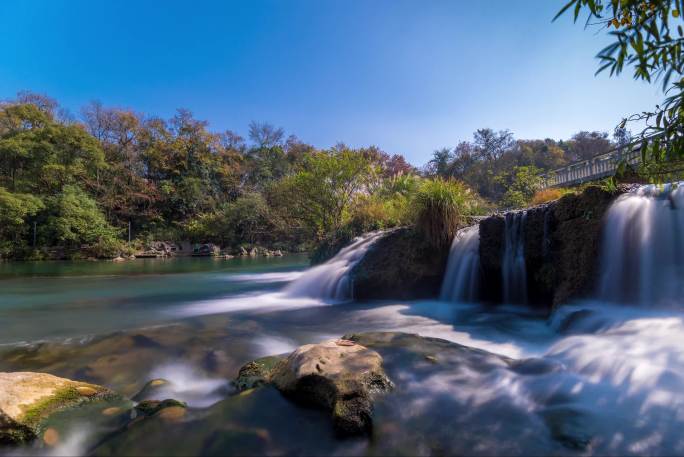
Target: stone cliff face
point(561, 244)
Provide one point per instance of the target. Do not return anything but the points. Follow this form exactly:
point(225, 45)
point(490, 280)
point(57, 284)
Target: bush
point(439, 207)
point(549, 195)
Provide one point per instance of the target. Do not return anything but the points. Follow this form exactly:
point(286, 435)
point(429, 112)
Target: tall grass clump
point(439, 207)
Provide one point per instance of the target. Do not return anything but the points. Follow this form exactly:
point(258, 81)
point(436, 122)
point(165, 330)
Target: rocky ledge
point(337, 375)
point(562, 244)
point(28, 400)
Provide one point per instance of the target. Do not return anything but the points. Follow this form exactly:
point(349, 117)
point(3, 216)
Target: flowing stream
point(599, 377)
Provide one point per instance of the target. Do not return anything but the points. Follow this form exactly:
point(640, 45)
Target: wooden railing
point(598, 167)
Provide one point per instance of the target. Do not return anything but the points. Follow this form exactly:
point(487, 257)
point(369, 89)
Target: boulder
point(28, 399)
point(337, 375)
point(399, 265)
point(257, 373)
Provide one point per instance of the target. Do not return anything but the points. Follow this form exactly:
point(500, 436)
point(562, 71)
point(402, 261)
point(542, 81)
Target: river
point(597, 377)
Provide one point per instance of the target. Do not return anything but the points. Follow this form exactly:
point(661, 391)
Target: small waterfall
point(462, 277)
point(331, 280)
point(643, 249)
point(514, 273)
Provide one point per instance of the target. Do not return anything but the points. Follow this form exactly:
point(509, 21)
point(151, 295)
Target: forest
point(110, 180)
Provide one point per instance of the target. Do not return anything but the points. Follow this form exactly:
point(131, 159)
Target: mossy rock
point(28, 400)
point(257, 373)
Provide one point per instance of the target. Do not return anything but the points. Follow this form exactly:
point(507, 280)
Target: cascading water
point(514, 273)
point(643, 252)
point(331, 280)
point(462, 277)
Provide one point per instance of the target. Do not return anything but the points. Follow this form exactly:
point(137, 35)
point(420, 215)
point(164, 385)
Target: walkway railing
point(598, 167)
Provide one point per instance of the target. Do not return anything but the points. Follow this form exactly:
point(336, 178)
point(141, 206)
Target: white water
point(643, 257)
point(331, 280)
point(461, 279)
point(513, 271)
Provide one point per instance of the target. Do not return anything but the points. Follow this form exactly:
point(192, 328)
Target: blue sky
point(407, 76)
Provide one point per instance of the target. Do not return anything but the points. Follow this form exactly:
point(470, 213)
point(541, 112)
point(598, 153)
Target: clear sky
point(407, 76)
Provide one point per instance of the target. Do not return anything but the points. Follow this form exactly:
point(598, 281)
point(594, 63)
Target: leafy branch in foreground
point(647, 36)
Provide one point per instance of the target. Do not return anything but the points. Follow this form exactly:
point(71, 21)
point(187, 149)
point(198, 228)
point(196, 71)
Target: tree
point(75, 220)
point(265, 135)
point(585, 145)
point(521, 184)
point(491, 145)
point(321, 194)
point(648, 37)
point(439, 164)
point(15, 212)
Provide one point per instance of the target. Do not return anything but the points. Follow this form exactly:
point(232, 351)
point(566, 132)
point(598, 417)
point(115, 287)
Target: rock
point(278, 253)
point(206, 250)
point(336, 375)
point(253, 252)
point(561, 244)
point(257, 373)
point(575, 243)
point(151, 407)
point(243, 252)
point(118, 259)
point(492, 236)
point(12, 433)
point(399, 265)
point(150, 390)
point(28, 399)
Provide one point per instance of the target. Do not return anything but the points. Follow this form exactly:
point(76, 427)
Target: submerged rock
point(28, 400)
point(166, 408)
point(336, 375)
point(151, 390)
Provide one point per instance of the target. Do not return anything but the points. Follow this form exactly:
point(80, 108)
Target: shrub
point(549, 195)
point(439, 207)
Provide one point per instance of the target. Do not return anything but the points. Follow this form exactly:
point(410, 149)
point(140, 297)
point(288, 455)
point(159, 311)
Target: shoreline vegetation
point(111, 183)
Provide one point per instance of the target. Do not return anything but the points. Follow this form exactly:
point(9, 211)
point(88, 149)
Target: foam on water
point(187, 384)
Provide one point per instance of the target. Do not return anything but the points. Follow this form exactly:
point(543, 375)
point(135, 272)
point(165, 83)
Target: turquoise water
point(52, 300)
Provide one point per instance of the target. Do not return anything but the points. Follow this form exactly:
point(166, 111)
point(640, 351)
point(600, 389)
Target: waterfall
point(462, 277)
point(331, 280)
point(643, 248)
point(513, 269)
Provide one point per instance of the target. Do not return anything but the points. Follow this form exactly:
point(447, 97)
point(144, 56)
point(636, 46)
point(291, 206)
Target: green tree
point(320, 196)
point(15, 212)
point(521, 184)
point(75, 220)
